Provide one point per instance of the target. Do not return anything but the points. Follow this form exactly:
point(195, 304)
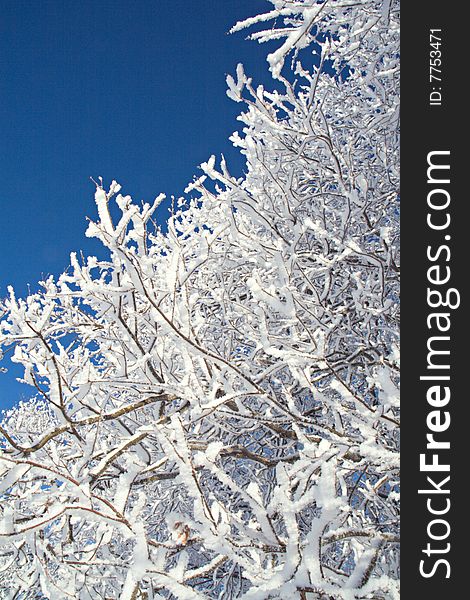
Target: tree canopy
point(215, 409)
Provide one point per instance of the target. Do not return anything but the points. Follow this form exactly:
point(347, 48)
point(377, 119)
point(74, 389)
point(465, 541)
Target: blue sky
point(132, 90)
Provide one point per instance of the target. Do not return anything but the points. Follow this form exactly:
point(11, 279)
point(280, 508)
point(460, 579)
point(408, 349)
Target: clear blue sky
point(132, 90)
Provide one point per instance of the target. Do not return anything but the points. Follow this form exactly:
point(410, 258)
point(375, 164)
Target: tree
point(216, 408)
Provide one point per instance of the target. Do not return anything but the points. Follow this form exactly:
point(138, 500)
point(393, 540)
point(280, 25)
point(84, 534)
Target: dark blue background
point(129, 90)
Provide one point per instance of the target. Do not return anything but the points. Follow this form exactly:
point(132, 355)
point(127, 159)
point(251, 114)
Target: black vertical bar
point(434, 121)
